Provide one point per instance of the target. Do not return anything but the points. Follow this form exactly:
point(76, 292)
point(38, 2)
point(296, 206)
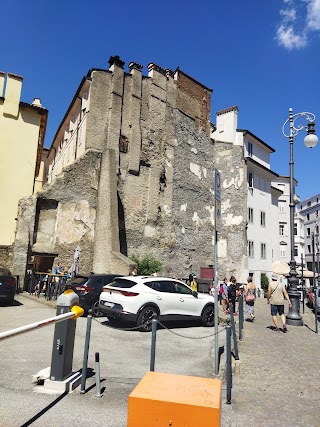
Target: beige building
point(22, 130)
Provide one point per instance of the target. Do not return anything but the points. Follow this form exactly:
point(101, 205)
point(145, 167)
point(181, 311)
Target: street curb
point(40, 300)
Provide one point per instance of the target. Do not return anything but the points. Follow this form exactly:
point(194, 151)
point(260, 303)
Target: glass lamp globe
point(311, 140)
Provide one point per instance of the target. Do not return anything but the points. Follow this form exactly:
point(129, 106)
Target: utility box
point(63, 341)
point(162, 399)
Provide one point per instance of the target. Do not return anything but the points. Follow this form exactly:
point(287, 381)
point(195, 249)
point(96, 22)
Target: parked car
point(8, 286)
point(139, 299)
point(88, 287)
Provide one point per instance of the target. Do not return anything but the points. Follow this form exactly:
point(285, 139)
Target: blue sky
point(261, 55)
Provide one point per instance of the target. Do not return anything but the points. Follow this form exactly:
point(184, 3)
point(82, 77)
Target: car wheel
point(96, 312)
point(145, 319)
point(10, 301)
point(207, 317)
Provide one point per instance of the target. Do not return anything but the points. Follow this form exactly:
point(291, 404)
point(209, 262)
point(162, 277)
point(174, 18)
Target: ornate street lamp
point(310, 141)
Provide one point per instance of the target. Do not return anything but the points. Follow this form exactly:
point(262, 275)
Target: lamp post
point(310, 141)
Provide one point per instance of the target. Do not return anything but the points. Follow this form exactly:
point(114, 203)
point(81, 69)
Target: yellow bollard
point(168, 400)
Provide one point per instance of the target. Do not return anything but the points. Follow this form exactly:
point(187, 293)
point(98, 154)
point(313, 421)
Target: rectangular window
point(250, 249)
point(250, 180)
point(296, 251)
point(263, 251)
point(317, 229)
point(250, 149)
point(308, 232)
point(250, 215)
point(309, 203)
point(295, 230)
point(282, 205)
point(309, 249)
point(308, 217)
point(281, 229)
point(262, 219)
point(283, 251)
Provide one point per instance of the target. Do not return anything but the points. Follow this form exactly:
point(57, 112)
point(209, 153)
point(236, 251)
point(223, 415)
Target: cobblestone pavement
point(277, 383)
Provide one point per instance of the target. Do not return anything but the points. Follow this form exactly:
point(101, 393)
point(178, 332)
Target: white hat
point(274, 277)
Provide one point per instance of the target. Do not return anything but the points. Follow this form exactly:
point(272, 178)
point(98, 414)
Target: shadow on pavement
point(14, 304)
point(44, 410)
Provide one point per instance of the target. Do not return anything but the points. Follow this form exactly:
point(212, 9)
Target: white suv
point(139, 299)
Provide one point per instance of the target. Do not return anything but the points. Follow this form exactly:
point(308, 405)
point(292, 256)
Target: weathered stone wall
point(6, 257)
point(61, 216)
point(145, 183)
point(232, 242)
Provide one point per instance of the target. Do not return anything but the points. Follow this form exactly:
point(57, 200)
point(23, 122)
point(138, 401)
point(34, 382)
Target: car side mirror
point(195, 294)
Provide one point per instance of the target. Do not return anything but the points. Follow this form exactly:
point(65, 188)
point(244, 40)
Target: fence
point(49, 284)
point(232, 338)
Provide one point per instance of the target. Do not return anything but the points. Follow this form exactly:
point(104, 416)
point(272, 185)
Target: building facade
point(130, 171)
point(22, 132)
point(309, 211)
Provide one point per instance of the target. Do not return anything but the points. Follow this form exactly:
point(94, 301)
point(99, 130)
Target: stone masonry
point(145, 183)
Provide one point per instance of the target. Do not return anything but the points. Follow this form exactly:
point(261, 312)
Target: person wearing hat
point(193, 284)
point(276, 295)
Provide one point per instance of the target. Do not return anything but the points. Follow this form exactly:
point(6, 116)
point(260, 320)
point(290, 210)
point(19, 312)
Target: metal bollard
point(228, 367)
point(97, 367)
point(86, 352)
point(240, 316)
point(153, 344)
point(233, 330)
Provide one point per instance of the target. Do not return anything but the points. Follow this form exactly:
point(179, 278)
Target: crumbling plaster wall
point(6, 257)
point(167, 203)
point(43, 229)
point(232, 241)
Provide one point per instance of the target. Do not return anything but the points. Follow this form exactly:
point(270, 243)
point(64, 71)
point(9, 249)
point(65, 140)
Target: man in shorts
point(276, 295)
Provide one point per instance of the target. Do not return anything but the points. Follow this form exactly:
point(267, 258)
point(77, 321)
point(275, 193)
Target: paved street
point(125, 358)
point(275, 384)
point(278, 383)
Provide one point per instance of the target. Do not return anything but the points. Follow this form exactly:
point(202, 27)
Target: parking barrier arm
point(73, 314)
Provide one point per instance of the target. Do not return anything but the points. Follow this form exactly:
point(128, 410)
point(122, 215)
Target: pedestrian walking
point(224, 296)
point(232, 293)
point(250, 296)
point(276, 295)
point(194, 285)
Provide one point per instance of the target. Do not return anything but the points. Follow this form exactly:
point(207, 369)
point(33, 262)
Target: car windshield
point(122, 283)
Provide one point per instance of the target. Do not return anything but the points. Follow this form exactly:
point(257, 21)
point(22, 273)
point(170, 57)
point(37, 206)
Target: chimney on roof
point(12, 95)
point(115, 60)
point(226, 125)
point(37, 102)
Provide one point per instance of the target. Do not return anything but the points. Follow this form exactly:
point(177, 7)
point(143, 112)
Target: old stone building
point(131, 171)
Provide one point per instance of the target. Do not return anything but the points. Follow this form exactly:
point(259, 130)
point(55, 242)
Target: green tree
point(147, 265)
point(264, 282)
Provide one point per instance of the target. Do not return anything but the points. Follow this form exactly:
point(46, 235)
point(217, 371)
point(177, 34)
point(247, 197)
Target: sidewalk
point(278, 382)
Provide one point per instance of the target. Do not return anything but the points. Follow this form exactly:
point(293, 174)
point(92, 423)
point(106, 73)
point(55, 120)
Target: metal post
point(314, 283)
point(240, 307)
point(228, 367)
point(86, 353)
point(302, 283)
point(233, 329)
point(216, 305)
point(316, 289)
point(153, 344)
point(97, 368)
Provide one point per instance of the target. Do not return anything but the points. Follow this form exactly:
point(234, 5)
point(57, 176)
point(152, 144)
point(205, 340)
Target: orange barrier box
point(169, 400)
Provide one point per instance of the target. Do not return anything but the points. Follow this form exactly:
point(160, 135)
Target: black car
point(88, 287)
point(8, 285)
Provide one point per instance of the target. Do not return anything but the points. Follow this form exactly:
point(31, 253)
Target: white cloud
point(298, 19)
point(288, 39)
point(288, 14)
point(313, 15)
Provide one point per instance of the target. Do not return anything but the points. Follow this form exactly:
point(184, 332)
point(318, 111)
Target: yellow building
point(22, 131)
